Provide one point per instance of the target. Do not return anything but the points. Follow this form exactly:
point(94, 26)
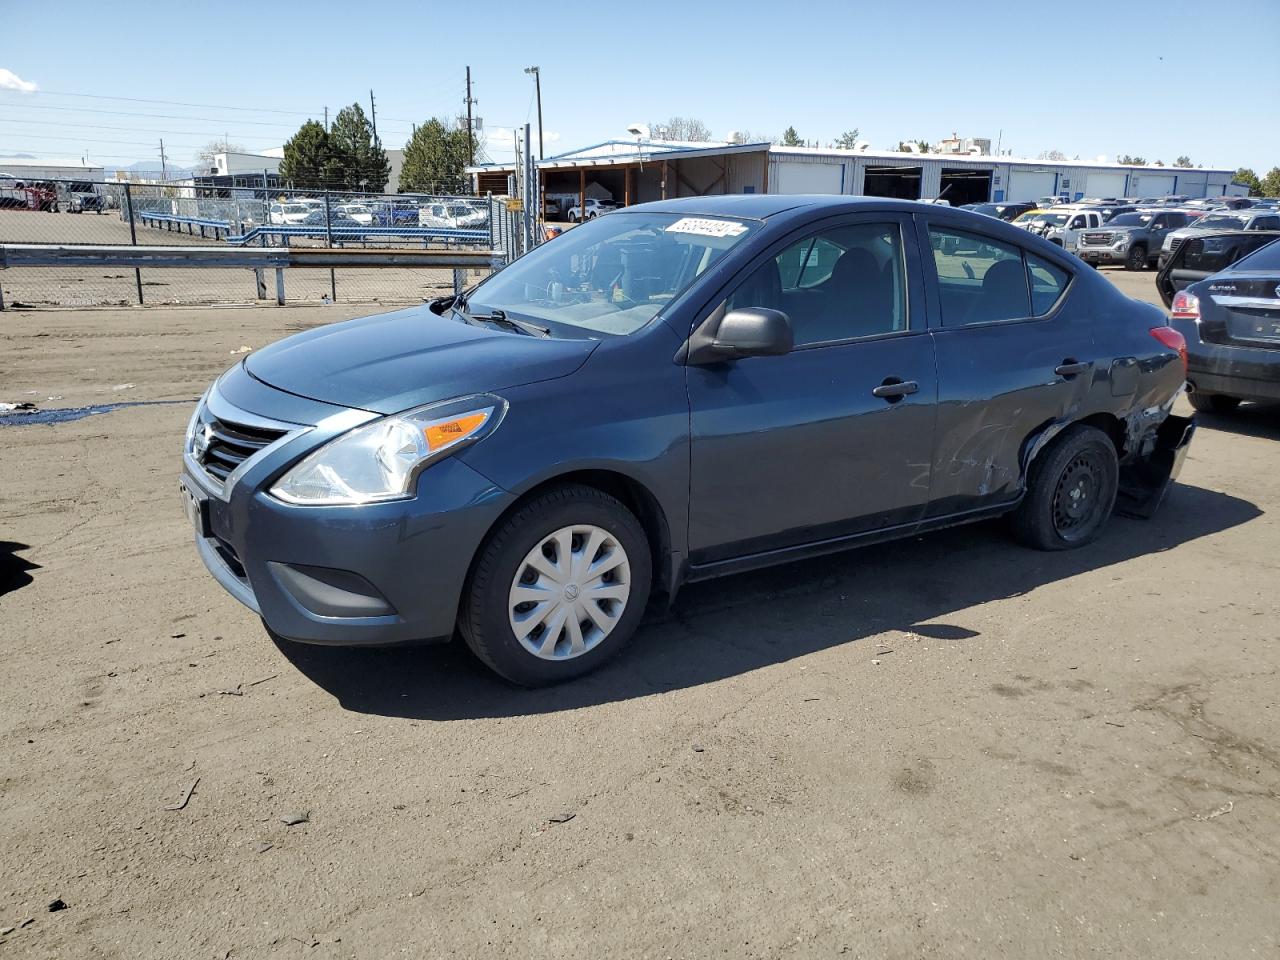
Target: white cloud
point(11, 81)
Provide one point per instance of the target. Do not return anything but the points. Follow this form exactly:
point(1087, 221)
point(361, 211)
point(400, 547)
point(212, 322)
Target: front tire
point(558, 588)
point(1213, 402)
point(1137, 259)
point(1071, 491)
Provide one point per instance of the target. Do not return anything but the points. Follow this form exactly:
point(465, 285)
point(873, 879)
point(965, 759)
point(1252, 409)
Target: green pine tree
point(790, 138)
point(308, 158)
point(360, 161)
point(434, 158)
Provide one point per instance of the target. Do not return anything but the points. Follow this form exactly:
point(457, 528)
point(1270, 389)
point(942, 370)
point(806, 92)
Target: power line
point(128, 113)
point(103, 126)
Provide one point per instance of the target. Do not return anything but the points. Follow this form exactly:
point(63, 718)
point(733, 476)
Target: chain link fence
point(263, 214)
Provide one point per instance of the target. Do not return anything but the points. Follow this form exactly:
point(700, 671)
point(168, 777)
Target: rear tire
point(1137, 259)
point(578, 618)
point(1071, 491)
point(1213, 402)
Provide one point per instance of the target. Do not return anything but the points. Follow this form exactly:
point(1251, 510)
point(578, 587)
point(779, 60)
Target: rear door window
point(980, 280)
point(1048, 282)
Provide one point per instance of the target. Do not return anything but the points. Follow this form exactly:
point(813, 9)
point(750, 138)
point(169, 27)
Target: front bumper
point(1248, 373)
point(377, 574)
point(1102, 254)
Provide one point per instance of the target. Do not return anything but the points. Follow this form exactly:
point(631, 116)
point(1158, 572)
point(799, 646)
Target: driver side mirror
point(746, 332)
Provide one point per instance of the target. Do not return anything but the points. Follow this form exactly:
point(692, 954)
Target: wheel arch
point(1039, 439)
point(632, 494)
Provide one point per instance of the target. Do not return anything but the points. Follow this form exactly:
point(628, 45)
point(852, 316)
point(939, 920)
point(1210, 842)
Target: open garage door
point(1153, 184)
point(1099, 184)
point(901, 183)
point(1031, 184)
point(965, 185)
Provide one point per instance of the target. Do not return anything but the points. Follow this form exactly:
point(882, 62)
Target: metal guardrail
point(257, 259)
point(359, 233)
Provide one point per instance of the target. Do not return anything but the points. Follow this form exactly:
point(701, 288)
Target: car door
point(1010, 359)
point(835, 437)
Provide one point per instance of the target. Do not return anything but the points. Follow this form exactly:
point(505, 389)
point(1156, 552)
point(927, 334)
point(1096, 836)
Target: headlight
point(380, 460)
point(1123, 245)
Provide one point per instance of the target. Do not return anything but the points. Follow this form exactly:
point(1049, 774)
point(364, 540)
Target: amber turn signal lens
point(440, 435)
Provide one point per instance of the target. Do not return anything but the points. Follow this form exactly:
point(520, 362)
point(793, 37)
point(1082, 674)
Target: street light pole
point(537, 86)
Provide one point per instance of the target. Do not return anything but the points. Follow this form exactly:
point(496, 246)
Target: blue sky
point(1155, 80)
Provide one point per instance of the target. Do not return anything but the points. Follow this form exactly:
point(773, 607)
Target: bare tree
point(1051, 155)
point(681, 128)
point(205, 157)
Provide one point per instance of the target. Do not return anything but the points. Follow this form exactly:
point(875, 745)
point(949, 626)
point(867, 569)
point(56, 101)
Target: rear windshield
point(1268, 258)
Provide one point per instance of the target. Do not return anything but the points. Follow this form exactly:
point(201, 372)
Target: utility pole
point(536, 73)
point(164, 168)
point(471, 130)
point(326, 119)
point(373, 115)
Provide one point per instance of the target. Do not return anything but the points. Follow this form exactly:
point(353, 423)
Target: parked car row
point(458, 213)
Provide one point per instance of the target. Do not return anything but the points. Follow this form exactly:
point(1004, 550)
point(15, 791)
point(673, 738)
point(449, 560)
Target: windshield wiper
point(511, 323)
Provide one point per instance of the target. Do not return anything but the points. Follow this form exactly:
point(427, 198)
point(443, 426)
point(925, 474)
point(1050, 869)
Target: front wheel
point(1213, 402)
point(1137, 259)
point(573, 217)
point(1071, 491)
point(558, 588)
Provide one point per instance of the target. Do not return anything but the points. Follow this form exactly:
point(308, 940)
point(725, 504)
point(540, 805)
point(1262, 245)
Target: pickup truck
point(1133, 239)
point(1061, 224)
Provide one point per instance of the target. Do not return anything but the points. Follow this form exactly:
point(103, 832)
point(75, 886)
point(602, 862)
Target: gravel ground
point(948, 747)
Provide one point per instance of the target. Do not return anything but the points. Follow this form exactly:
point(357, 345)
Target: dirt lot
point(951, 747)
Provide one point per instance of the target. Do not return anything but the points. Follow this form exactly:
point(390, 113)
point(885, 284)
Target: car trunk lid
point(1248, 311)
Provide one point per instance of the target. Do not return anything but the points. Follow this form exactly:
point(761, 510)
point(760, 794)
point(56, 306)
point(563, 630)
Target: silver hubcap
point(569, 592)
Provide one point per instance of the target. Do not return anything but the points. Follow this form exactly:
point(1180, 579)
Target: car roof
point(759, 206)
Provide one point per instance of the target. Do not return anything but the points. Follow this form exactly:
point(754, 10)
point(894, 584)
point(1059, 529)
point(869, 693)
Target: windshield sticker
point(707, 228)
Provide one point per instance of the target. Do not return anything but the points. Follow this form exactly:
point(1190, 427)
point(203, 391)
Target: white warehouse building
point(631, 172)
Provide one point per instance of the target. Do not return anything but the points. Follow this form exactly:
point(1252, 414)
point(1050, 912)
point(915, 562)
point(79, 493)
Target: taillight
point(1186, 306)
point(1172, 339)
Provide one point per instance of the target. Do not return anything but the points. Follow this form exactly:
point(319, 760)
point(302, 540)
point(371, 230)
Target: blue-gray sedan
point(668, 393)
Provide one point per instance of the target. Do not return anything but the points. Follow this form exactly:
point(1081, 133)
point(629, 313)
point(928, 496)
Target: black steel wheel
point(1071, 491)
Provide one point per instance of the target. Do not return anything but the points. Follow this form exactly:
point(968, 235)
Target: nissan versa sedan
point(674, 392)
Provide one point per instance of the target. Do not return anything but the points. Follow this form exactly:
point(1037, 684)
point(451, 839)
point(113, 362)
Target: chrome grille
point(1097, 239)
point(219, 446)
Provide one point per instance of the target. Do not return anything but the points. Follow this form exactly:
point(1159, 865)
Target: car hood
point(396, 361)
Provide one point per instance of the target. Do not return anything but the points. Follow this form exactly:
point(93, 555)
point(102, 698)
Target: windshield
point(1130, 220)
point(296, 208)
point(1221, 223)
point(987, 208)
point(610, 275)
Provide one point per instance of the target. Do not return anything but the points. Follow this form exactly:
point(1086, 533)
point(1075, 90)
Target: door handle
point(1070, 368)
point(894, 389)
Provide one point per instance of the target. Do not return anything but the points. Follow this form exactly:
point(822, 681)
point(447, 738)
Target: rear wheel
point(1213, 402)
point(1137, 259)
point(558, 588)
point(1071, 491)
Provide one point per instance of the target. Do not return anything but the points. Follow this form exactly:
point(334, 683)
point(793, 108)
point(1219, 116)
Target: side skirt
point(818, 548)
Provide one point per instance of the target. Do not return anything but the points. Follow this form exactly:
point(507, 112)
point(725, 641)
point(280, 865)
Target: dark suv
point(675, 392)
